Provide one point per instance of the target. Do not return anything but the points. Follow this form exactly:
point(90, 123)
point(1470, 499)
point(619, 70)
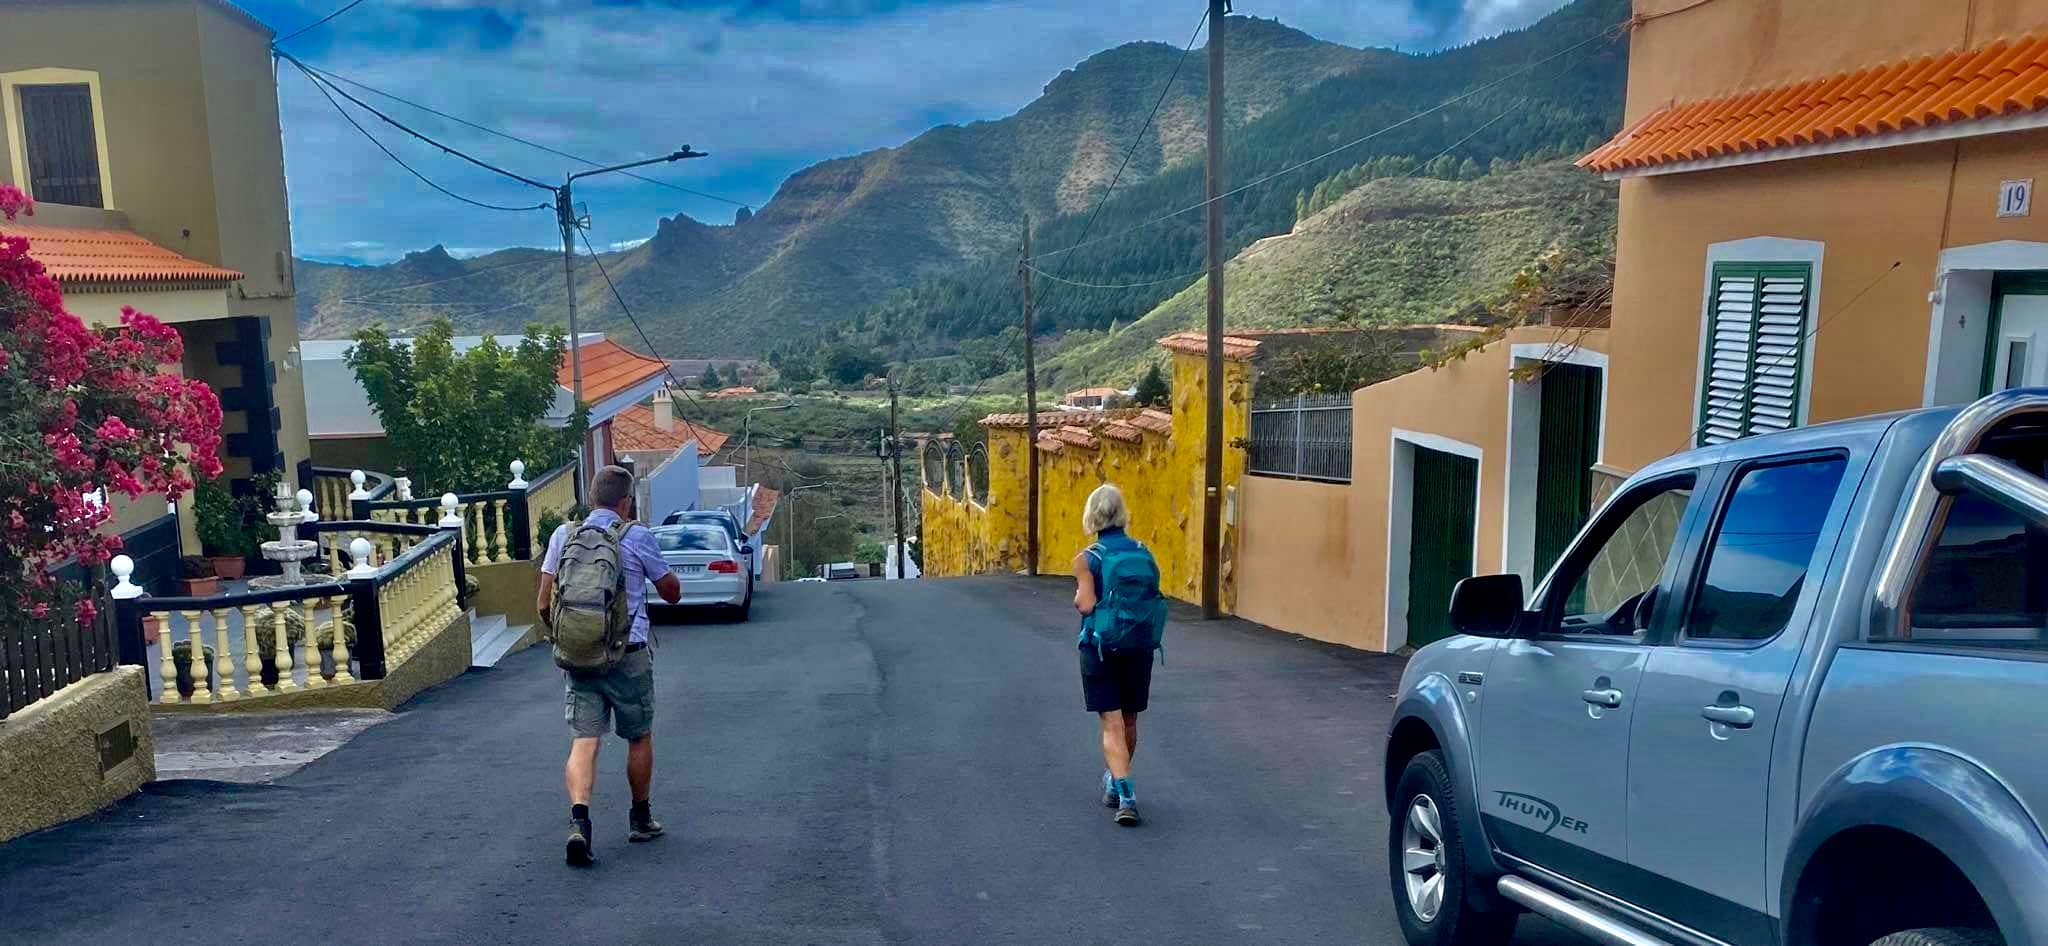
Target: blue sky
point(766, 86)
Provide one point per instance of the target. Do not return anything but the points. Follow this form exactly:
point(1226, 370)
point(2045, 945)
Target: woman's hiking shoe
point(1109, 798)
point(644, 829)
point(579, 843)
point(1127, 813)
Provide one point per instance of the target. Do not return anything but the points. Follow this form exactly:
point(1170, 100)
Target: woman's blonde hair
point(1105, 509)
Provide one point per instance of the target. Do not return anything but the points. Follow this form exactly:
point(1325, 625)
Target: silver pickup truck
point(1784, 691)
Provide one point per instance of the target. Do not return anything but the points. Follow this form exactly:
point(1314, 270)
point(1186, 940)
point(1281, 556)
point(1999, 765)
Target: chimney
point(664, 410)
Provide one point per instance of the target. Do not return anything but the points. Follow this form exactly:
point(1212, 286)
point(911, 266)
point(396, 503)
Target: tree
point(710, 381)
point(847, 364)
point(84, 412)
point(1328, 369)
point(456, 420)
point(1152, 388)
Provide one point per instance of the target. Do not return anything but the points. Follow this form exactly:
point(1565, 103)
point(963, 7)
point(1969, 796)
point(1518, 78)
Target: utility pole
point(565, 217)
point(1030, 409)
point(895, 474)
point(1212, 442)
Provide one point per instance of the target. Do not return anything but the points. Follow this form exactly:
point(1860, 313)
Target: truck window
point(1986, 581)
point(1758, 557)
point(1631, 544)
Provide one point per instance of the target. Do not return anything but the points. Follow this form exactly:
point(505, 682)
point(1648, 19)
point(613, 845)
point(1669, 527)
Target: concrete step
point(491, 638)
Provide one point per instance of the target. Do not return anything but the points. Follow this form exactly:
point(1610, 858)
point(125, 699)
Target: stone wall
point(1156, 457)
point(50, 752)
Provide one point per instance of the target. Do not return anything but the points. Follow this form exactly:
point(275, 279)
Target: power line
point(1130, 285)
point(401, 126)
point(1418, 116)
point(316, 24)
point(398, 160)
point(644, 340)
point(486, 129)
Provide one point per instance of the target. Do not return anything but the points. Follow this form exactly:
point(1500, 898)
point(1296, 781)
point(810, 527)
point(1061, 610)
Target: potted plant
point(196, 575)
point(152, 627)
point(219, 522)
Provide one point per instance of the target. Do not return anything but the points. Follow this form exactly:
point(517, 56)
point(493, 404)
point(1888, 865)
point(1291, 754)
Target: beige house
point(154, 154)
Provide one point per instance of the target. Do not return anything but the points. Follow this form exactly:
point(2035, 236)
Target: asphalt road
point(861, 763)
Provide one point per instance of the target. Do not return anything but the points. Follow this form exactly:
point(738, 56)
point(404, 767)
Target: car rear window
point(691, 539)
point(1985, 584)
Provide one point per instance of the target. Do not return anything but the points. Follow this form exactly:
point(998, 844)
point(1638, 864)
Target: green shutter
point(1445, 497)
point(1568, 444)
point(1754, 365)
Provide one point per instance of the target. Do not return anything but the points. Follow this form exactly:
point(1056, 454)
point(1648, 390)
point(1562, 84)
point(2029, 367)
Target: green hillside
point(1394, 251)
point(840, 235)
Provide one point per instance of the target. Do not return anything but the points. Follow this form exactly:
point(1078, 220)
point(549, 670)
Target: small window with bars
point(1755, 360)
point(62, 148)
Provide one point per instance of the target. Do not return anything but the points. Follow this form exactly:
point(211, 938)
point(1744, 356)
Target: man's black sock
point(641, 810)
point(579, 812)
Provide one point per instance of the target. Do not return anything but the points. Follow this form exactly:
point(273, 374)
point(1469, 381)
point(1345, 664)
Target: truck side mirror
point(1487, 605)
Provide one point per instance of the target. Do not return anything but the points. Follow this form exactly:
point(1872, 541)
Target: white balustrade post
point(402, 485)
point(357, 477)
point(306, 513)
point(451, 518)
point(360, 551)
point(518, 475)
point(122, 566)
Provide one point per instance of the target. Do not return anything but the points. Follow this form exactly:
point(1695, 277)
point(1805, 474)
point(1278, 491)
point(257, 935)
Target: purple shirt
point(639, 553)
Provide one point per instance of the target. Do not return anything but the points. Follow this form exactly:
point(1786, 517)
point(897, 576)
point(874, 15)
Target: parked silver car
point(702, 556)
point(1784, 691)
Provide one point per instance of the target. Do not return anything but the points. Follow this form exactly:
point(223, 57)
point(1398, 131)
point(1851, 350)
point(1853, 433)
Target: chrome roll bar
point(1953, 466)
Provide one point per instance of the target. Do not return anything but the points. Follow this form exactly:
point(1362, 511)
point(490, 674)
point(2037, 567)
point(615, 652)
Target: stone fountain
point(289, 551)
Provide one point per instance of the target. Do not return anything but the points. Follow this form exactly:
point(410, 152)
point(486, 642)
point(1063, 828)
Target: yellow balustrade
point(167, 668)
point(311, 623)
point(340, 647)
point(252, 656)
point(223, 664)
point(281, 654)
point(503, 550)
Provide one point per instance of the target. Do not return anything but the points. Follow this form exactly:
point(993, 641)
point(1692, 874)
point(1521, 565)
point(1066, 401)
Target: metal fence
point(1305, 438)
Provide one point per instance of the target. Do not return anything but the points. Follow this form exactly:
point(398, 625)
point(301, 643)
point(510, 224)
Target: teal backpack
point(1131, 616)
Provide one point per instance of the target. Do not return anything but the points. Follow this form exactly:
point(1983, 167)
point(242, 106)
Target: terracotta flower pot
point(228, 566)
point(200, 587)
point(152, 627)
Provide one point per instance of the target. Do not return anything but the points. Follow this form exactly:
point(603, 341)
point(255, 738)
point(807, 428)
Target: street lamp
point(747, 438)
point(789, 526)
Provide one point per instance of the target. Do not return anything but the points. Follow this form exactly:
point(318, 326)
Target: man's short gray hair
point(1105, 510)
point(610, 486)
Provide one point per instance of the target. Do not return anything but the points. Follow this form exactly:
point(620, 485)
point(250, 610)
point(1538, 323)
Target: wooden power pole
point(895, 472)
point(1030, 411)
point(1212, 442)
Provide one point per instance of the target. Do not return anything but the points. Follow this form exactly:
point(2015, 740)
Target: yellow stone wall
point(1161, 476)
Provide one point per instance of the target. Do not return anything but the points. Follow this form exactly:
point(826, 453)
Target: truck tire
point(1943, 937)
point(1427, 867)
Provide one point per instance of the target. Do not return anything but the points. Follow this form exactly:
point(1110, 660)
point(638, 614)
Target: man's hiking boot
point(579, 851)
point(1109, 798)
point(1127, 813)
point(644, 829)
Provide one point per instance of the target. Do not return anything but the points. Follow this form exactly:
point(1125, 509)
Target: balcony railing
point(402, 584)
point(497, 526)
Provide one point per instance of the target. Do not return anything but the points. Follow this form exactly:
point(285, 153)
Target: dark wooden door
point(1569, 445)
point(1445, 497)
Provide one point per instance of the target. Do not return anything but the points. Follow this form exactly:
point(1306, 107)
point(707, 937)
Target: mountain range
point(912, 250)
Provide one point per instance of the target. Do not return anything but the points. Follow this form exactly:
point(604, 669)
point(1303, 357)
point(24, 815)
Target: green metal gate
point(1445, 500)
point(1569, 445)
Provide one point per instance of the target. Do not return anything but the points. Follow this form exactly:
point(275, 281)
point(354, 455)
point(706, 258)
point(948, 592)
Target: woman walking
point(1116, 589)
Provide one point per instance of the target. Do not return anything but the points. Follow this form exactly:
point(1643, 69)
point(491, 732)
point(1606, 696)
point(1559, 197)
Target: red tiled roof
point(82, 256)
point(1050, 442)
point(1021, 419)
point(1123, 430)
point(1078, 436)
point(764, 508)
point(2008, 77)
point(1092, 392)
point(1235, 347)
point(740, 391)
point(609, 369)
point(634, 429)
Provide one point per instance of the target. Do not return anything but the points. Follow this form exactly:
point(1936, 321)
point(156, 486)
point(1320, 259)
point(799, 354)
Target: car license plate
point(689, 569)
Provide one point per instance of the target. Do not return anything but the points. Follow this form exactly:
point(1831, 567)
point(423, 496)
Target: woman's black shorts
point(1117, 680)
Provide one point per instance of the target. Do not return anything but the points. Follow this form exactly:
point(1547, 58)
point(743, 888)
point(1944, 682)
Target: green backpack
point(1132, 614)
point(589, 615)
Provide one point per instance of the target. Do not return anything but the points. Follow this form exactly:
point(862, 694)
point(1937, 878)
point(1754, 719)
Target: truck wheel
point(1426, 861)
point(1943, 937)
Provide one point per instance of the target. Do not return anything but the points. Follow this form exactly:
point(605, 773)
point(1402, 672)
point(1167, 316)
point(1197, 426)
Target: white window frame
point(17, 136)
point(1757, 250)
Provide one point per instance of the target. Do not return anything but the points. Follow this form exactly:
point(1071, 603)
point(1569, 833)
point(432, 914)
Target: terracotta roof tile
point(634, 429)
point(1078, 436)
point(82, 256)
point(740, 391)
point(1123, 430)
point(609, 369)
point(1050, 442)
point(1235, 347)
point(1046, 419)
point(1156, 421)
point(1092, 392)
point(2007, 77)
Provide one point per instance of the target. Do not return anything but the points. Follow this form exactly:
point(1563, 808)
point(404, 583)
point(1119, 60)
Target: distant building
point(732, 392)
point(1094, 399)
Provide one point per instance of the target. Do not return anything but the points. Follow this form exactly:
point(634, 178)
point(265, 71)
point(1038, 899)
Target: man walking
point(610, 681)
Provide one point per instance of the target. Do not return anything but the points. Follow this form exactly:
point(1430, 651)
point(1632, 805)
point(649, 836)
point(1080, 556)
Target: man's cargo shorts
point(625, 692)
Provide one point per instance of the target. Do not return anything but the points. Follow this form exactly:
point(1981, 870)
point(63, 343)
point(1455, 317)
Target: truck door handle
point(1740, 717)
point(1608, 698)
